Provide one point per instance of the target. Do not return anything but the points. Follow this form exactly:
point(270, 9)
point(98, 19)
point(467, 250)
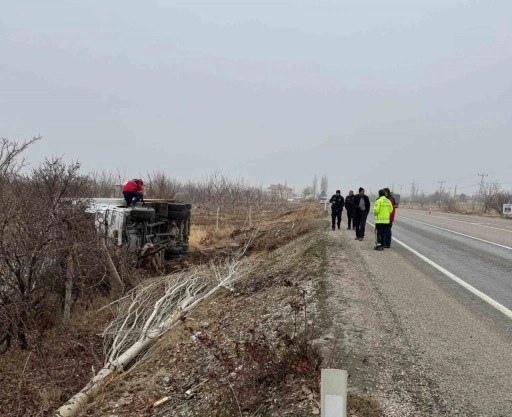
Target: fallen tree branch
point(151, 314)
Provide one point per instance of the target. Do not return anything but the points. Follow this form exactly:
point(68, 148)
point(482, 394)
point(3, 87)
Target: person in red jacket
point(132, 192)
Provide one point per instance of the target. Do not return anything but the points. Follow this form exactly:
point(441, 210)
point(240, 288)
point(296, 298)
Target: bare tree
point(489, 194)
point(307, 192)
point(160, 185)
point(314, 187)
point(106, 184)
point(501, 198)
point(324, 185)
point(11, 161)
point(46, 245)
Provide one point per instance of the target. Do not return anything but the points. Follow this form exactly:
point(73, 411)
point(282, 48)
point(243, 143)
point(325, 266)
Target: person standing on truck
point(361, 210)
point(337, 202)
point(382, 210)
point(349, 207)
point(388, 236)
point(132, 192)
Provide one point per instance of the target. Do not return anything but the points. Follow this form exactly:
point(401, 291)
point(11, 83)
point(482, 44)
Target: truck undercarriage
point(157, 226)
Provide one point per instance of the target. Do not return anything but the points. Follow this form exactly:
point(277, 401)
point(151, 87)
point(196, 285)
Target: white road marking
point(459, 281)
point(464, 221)
point(478, 293)
point(458, 233)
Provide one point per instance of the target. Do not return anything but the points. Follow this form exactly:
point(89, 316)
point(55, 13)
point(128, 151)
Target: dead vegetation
point(245, 352)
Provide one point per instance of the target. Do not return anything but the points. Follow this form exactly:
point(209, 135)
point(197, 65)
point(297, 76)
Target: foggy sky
point(368, 92)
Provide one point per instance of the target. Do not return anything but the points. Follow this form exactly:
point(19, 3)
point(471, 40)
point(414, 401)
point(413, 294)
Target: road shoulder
point(408, 340)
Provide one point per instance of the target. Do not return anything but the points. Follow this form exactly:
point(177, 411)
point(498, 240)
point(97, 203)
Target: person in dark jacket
point(361, 210)
point(388, 235)
point(349, 207)
point(337, 202)
point(132, 192)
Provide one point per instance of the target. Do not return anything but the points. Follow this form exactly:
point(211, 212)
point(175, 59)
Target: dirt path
point(409, 339)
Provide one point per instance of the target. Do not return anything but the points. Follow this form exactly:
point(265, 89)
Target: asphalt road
point(478, 250)
point(428, 345)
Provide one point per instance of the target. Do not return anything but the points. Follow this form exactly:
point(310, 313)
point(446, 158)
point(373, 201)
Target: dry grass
point(198, 236)
point(363, 406)
point(58, 365)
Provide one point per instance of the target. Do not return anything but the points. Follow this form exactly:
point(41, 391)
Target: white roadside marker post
point(333, 393)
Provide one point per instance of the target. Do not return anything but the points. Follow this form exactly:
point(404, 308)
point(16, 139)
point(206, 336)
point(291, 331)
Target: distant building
point(296, 197)
point(279, 191)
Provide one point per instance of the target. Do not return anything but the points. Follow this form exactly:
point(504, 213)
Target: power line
point(482, 182)
point(440, 191)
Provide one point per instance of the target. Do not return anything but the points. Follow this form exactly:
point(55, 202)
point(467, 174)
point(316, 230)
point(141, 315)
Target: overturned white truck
point(161, 226)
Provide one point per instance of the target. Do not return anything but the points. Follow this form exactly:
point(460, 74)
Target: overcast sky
point(368, 92)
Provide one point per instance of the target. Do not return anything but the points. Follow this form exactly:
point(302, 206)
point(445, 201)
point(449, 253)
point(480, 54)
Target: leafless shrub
point(11, 161)
point(105, 184)
point(451, 205)
point(490, 193)
point(247, 372)
point(44, 230)
point(500, 199)
point(160, 185)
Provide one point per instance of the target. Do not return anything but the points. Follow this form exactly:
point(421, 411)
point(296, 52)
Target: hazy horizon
point(368, 93)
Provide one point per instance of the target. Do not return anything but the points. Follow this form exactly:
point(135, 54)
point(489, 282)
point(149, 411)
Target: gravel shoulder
point(407, 336)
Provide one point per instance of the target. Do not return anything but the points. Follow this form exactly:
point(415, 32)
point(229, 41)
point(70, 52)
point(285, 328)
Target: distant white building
point(280, 191)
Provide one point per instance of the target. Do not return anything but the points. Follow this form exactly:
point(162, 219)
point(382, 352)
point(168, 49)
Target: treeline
point(490, 198)
point(215, 190)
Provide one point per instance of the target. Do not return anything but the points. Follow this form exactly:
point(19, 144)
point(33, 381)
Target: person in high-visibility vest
point(132, 192)
point(382, 210)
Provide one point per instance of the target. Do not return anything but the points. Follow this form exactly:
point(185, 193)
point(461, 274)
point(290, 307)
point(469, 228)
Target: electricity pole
point(482, 183)
point(413, 191)
point(440, 191)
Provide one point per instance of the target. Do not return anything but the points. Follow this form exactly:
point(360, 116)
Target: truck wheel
point(174, 251)
point(142, 213)
point(178, 214)
point(177, 206)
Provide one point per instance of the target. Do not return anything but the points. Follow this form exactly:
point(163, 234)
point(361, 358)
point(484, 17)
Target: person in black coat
point(337, 203)
point(361, 210)
point(349, 207)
